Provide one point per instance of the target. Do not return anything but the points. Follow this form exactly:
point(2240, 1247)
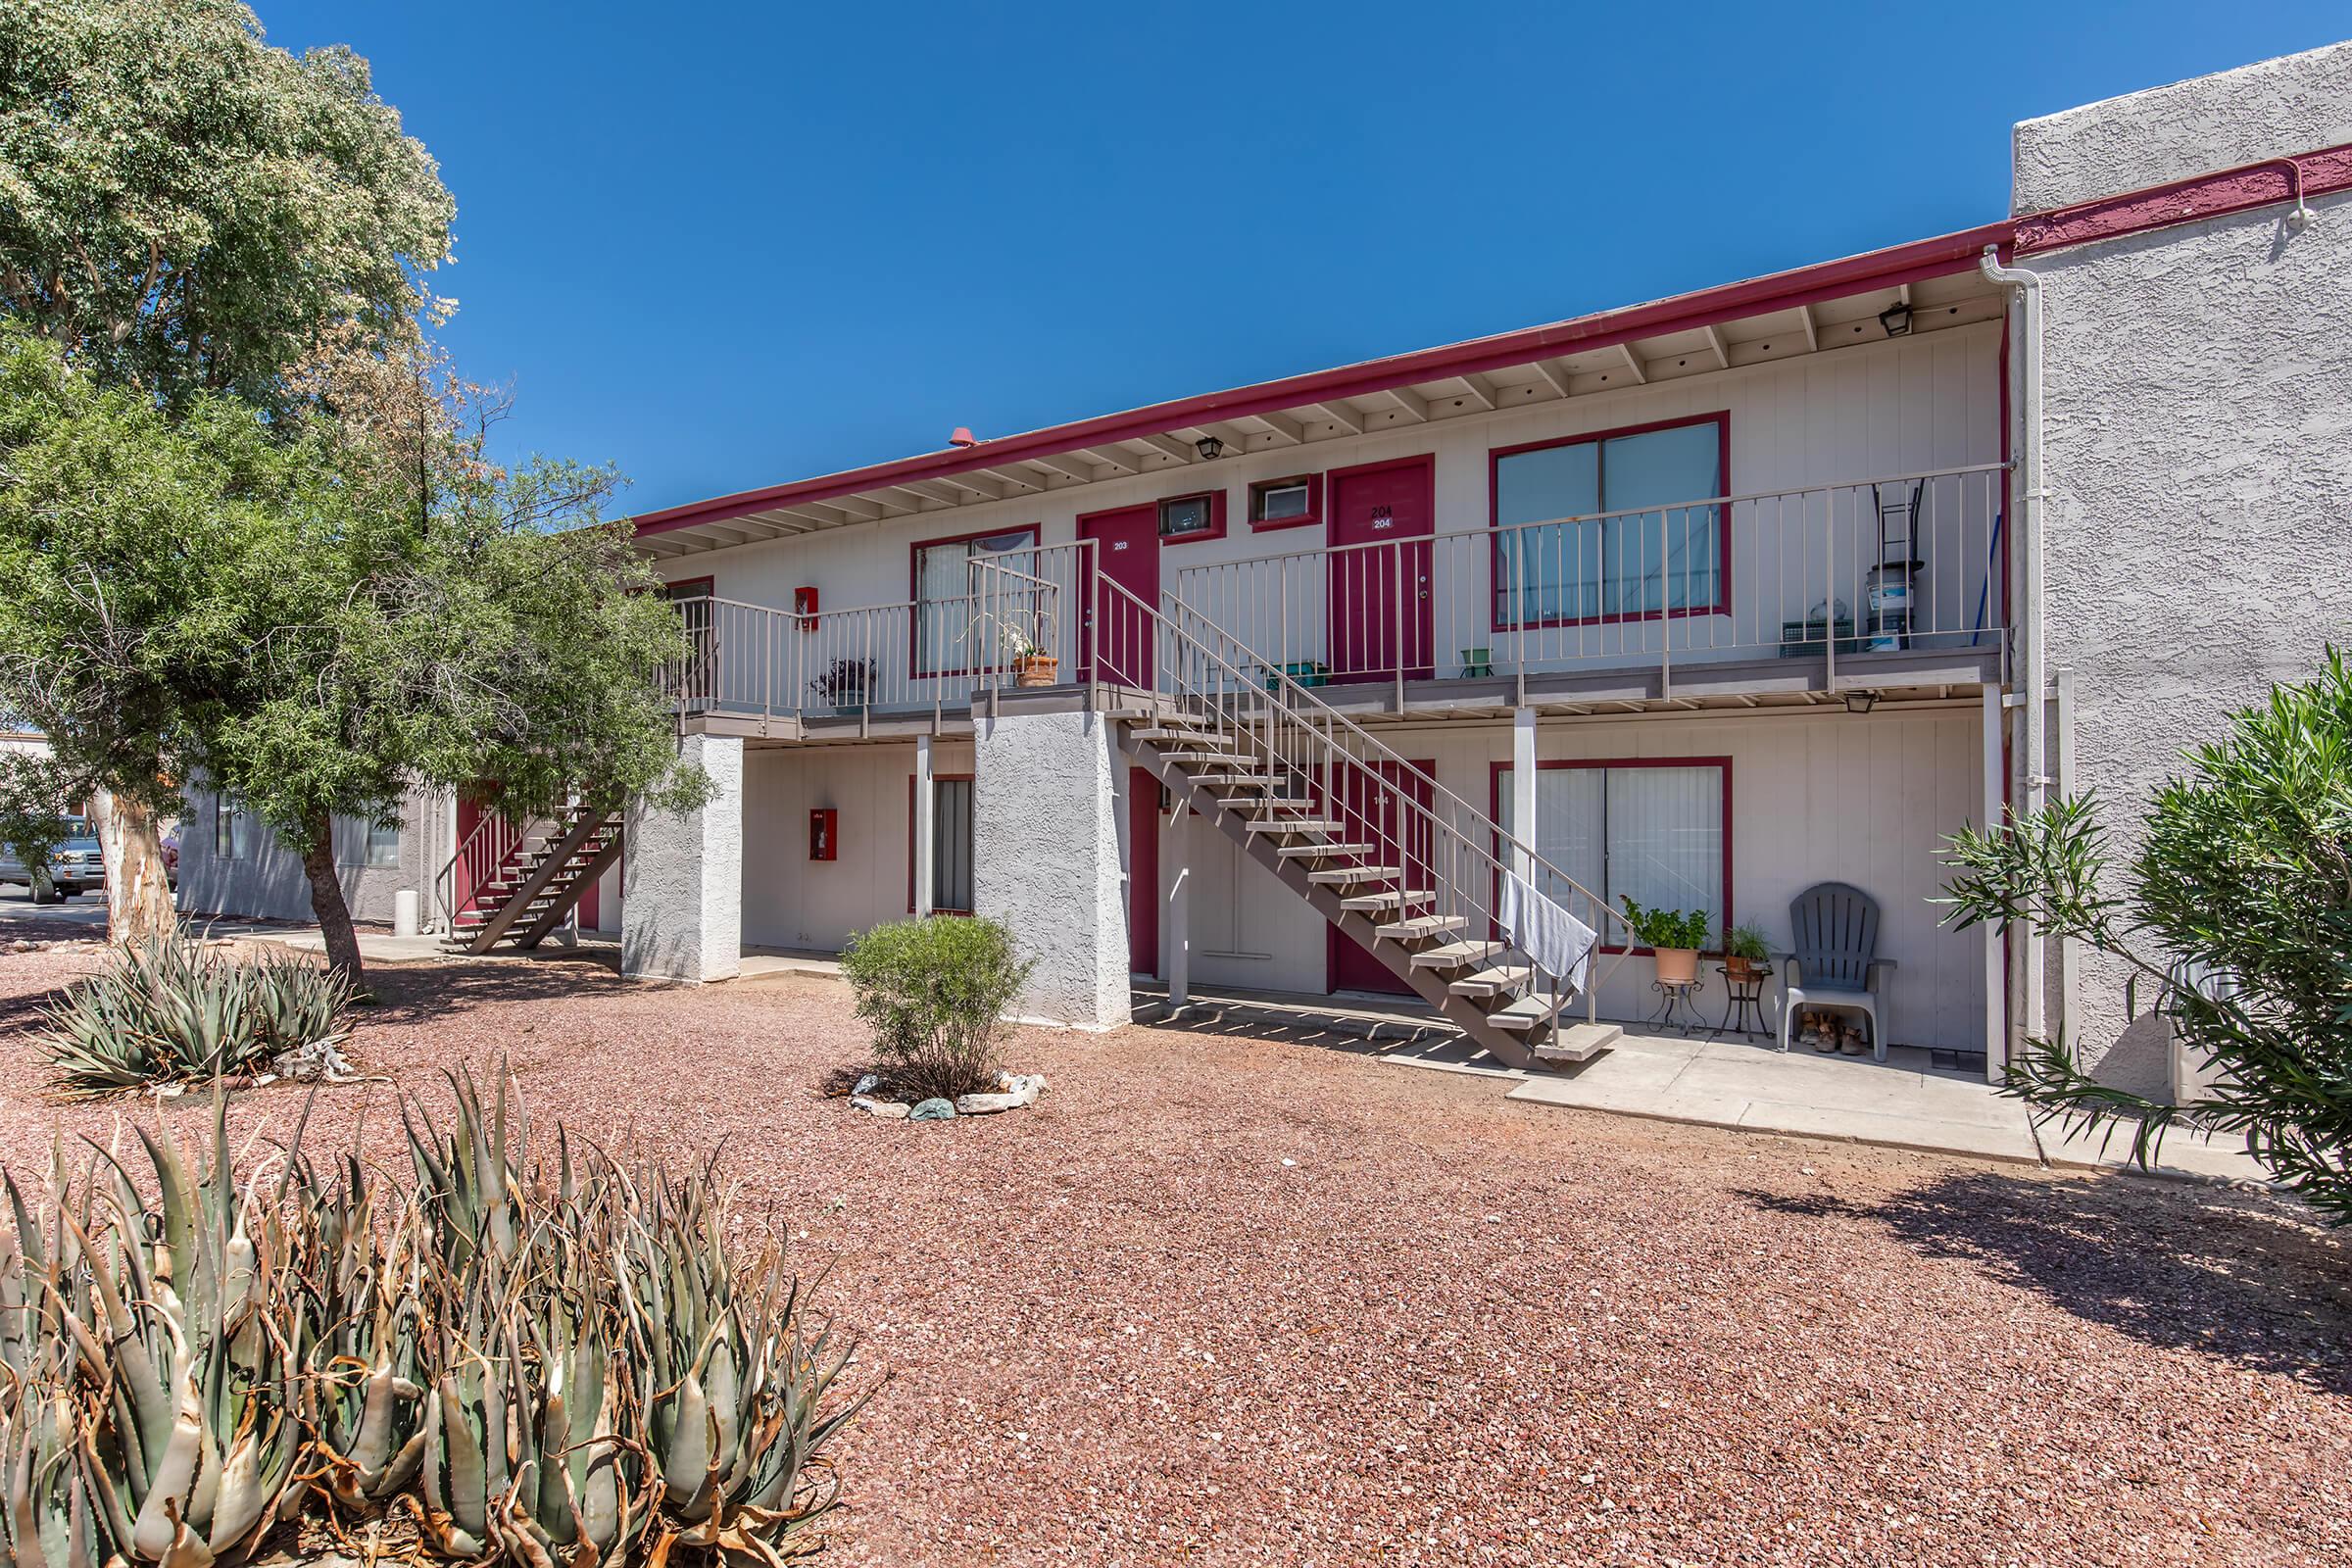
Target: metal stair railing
point(484, 853)
point(1444, 848)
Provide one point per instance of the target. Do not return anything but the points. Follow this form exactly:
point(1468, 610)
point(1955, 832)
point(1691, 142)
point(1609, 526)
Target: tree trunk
point(138, 891)
point(326, 901)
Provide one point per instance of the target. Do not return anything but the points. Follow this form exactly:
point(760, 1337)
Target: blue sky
point(729, 245)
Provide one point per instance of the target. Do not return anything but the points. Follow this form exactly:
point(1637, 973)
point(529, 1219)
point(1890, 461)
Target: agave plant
point(168, 1010)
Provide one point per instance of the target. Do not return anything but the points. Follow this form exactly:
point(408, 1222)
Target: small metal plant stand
point(1743, 1003)
point(1678, 1008)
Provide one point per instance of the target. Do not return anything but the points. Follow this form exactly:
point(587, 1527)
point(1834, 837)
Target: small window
point(1181, 516)
point(232, 829)
point(383, 844)
point(1290, 502)
point(952, 844)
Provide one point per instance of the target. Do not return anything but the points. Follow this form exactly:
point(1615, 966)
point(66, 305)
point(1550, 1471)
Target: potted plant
point(1674, 934)
point(1032, 665)
point(1744, 953)
point(1022, 633)
point(845, 684)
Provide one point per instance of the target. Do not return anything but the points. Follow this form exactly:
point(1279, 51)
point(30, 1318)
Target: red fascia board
point(1902, 263)
point(2185, 201)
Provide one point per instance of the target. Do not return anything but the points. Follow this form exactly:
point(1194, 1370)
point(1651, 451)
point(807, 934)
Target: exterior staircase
point(524, 881)
point(1492, 993)
point(1402, 866)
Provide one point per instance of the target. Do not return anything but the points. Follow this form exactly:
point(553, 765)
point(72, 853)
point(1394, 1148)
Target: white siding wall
point(1893, 407)
point(1814, 797)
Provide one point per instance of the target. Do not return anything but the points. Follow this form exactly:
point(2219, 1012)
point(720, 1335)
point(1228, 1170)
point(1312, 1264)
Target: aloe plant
point(542, 1356)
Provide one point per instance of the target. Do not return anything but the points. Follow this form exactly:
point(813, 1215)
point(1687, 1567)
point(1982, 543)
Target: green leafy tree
point(188, 207)
point(186, 212)
point(36, 797)
point(2234, 918)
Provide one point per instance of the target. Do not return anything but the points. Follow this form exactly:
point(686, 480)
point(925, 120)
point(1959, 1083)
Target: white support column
point(1046, 862)
point(1176, 865)
point(925, 838)
point(681, 905)
point(1523, 788)
point(1996, 979)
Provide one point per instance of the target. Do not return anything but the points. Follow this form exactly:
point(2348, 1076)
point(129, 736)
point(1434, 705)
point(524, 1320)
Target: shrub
point(1747, 940)
point(2231, 921)
point(171, 1010)
point(537, 1357)
point(1667, 928)
point(932, 992)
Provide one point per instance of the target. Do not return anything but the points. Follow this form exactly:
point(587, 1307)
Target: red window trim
point(936, 778)
point(1496, 770)
point(1721, 419)
point(707, 587)
point(1216, 517)
point(1314, 502)
point(914, 592)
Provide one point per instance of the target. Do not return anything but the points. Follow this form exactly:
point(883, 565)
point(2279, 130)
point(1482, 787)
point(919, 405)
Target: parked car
point(170, 849)
point(76, 865)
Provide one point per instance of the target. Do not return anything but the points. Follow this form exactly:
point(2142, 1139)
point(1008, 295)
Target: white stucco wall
point(1048, 813)
point(2199, 442)
point(2295, 104)
point(1820, 796)
point(682, 899)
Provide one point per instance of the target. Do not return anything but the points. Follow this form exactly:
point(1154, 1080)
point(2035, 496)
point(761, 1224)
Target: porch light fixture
point(1896, 319)
point(1210, 447)
point(1861, 701)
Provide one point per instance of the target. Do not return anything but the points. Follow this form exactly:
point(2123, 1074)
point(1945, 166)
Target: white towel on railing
point(1559, 944)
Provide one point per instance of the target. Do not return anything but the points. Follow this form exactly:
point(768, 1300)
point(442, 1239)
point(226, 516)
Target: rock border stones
point(1013, 1090)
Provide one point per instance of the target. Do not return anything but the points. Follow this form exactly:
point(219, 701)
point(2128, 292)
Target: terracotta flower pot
point(1677, 965)
point(1035, 669)
point(1735, 967)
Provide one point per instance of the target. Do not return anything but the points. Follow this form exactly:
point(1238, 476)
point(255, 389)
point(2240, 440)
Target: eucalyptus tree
point(188, 214)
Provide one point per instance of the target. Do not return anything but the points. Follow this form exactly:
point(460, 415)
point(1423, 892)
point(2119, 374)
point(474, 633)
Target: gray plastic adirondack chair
point(1836, 963)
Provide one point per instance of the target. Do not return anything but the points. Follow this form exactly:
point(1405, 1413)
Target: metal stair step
point(1493, 982)
point(1262, 803)
point(1164, 734)
point(1420, 925)
point(1291, 825)
point(1527, 1013)
point(1459, 954)
point(1203, 757)
point(1401, 899)
point(1341, 875)
point(1261, 780)
point(1323, 852)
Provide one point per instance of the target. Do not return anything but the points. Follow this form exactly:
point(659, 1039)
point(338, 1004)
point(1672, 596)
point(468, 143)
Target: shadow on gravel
point(415, 992)
point(2253, 1280)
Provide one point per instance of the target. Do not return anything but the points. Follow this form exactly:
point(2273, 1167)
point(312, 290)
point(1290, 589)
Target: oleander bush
point(173, 1010)
point(534, 1354)
point(934, 992)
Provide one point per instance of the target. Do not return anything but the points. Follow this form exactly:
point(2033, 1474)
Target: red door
point(1402, 837)
point(1143, 872)
point(470, 812)
point(1380, 593)
point(1127, 552)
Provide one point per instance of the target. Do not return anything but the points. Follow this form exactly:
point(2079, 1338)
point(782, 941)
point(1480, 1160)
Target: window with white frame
point(944, 601)
point(1641, 550)
point(233, 829)
point(383, 844)
point(952, 844)
point(1652, 832)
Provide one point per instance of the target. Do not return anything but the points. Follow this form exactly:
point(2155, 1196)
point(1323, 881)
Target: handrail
point(1375, 772)
point(484, 852)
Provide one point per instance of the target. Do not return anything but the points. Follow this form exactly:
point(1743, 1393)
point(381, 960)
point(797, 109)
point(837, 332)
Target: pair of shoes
point(1852, 1043)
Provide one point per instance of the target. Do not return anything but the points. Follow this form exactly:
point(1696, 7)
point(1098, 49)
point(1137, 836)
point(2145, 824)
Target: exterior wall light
point(1210, 447)
point(1896, 319)
point(1861, 701)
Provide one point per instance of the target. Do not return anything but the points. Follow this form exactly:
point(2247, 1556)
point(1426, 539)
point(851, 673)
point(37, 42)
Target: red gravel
point(1222, 1300)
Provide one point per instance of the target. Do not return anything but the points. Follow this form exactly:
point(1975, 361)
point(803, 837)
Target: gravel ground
point(1221, 1300)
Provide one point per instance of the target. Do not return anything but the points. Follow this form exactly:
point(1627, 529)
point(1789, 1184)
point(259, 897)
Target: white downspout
point(2034, 679)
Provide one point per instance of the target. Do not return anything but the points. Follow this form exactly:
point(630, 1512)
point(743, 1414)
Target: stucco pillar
point(1523, 788)
point(1046, 808)
point(681, 902)
point(926, 843)
point(1176, 865)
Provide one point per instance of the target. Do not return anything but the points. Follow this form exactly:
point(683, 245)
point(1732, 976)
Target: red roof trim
point(1902, 263)
point(2185, 201)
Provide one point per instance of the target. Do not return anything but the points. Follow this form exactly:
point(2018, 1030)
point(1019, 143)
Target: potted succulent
point(1744, 955)
point(1674, 934)
point(845, 684)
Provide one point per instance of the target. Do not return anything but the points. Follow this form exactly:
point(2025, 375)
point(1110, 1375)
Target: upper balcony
point(1893, 585)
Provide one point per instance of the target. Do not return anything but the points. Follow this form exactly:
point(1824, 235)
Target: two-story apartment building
point(1699, 603)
